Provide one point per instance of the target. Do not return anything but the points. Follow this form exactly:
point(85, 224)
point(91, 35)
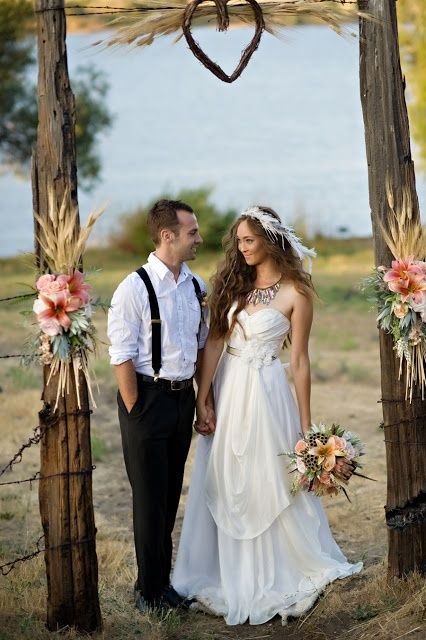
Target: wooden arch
point(66, 504)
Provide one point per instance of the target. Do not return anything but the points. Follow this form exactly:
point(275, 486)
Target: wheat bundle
point(154, 19)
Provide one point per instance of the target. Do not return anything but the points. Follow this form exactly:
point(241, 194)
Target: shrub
point(132, 234)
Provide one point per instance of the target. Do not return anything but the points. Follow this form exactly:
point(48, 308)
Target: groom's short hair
point(163, 215)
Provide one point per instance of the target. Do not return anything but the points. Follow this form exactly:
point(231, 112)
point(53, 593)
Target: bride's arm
point(301, 322)
point(209, 361)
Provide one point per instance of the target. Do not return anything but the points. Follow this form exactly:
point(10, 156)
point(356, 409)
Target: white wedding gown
point(249, 549)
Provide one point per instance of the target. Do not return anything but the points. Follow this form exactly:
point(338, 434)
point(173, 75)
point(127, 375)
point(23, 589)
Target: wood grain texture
point(66, 505)
point(387, 139)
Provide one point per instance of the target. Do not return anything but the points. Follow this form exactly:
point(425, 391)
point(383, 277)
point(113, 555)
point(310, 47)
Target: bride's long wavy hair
point(234, 278)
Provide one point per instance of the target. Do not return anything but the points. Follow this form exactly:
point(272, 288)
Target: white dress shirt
point(129, 321)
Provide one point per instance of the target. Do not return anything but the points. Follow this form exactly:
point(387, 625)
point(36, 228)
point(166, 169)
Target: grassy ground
point(346, 387)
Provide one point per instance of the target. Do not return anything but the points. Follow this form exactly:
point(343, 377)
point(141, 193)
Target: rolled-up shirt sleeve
point(124, 321)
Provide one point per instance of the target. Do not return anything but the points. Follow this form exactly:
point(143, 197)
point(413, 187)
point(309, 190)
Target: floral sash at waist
point(255, 354)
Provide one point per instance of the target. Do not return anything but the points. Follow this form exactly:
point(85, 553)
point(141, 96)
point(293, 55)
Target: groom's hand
point(206, 420)
point(211, 419)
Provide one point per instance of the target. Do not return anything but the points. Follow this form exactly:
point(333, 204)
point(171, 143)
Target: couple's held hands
point(205, 423)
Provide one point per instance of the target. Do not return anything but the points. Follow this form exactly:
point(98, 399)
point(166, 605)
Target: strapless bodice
point(259, 335)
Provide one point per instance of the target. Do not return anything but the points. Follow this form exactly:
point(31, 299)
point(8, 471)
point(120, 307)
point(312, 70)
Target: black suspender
point(200, 300)
point(156, 320)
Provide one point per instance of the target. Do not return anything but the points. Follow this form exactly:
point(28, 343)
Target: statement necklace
point(264, 295)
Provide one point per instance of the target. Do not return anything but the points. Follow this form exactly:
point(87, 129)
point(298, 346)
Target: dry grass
point(343, 348)
point(141, 29)
point(405, 239)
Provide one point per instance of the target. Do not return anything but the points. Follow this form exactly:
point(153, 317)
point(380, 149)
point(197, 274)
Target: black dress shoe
point(171, 596)
point(158, 605)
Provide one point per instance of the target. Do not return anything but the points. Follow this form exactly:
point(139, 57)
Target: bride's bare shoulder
point(290, 298)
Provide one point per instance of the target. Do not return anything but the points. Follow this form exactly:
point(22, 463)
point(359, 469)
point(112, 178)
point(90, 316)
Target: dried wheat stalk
point(405, 238)
point(62, 246)
point(155, 20)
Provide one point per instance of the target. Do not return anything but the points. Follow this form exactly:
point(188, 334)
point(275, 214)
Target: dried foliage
point(62, 245)
point(141, 28)
point(405, 237)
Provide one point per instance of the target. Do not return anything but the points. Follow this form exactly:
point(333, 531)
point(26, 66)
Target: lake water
point(288, 133)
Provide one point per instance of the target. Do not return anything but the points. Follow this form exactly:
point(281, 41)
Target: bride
point(249, 550)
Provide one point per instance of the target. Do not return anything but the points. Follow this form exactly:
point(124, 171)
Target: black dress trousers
point(156, 436)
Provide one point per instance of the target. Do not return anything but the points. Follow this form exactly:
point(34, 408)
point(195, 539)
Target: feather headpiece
point(276, 230)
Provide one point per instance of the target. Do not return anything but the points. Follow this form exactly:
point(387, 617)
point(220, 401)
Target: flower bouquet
point(316, 455)
point(399, 292)
point(63, 306)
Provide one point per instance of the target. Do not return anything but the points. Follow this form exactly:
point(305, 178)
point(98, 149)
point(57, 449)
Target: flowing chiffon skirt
point(249, 550)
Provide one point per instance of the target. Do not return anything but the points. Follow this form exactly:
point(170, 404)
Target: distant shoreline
point(325, 246)
point(97, 23)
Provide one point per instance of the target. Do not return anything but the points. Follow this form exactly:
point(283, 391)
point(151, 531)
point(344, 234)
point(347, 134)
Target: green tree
point(412, 37)
point(132, 234)
point(18, 101)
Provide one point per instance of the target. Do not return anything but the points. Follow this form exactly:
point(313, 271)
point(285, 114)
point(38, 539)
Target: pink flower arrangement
point(400, 294)
point(315, 459)
point(63, 309)
point(58, 297)
point(408, 278)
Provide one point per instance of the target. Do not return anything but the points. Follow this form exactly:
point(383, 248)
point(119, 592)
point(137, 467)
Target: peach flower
point(419, 308)
point(301, 467)
point(325, 478)
point(415, 335)
point(407, 279)
point(400, 309)
point(52, 311)
point(45, 280)
point(76, 285)
point(327, 452)
point(300, 446)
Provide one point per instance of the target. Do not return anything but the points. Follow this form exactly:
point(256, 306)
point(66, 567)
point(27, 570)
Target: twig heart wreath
point(222, 25)
point(141, 25)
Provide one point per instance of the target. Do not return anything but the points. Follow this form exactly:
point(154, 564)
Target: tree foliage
point(412, 37)
point(132, 234)
point(18, 97)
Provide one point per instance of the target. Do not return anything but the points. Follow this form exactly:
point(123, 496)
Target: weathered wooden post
point(66, 505)
point(387, 141)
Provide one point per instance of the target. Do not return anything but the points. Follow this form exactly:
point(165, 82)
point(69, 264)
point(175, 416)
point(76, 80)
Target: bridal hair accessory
point(276, 231)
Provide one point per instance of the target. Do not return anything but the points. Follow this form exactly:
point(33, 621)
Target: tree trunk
point(66, 505)
point(387, 139)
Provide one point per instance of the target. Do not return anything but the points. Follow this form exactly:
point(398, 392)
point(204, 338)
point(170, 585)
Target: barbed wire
point(413, 419)
point(6, 568)
point(37, 477)
point(92, 10)
point(38, 432)
point(391, 400)
point(20, 297)
point(14, 355)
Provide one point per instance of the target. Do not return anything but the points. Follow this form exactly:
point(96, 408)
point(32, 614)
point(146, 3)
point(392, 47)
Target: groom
point(156, 329)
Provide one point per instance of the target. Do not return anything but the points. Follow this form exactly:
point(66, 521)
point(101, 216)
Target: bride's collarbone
point(252, 310)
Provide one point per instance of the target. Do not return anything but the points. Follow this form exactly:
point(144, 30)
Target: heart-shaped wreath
point(222, 24)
